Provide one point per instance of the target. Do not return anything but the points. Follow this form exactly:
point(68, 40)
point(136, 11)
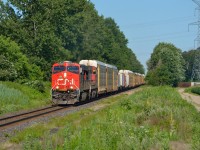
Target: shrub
point(13, 61)
point(38, 85)
point(196, 90)
point(7, 69)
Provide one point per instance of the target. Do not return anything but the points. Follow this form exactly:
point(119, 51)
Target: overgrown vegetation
point(14, 97)
point(14, 66)
point(195, 90)
point(152, 119)
point(166, 65)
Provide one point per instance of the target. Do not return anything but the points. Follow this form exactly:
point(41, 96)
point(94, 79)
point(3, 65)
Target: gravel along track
point(6, 122)
point(10, 124)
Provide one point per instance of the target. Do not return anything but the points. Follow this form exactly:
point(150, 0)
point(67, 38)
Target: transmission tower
point(196, 64)
point(197, 39)
point(196, 67)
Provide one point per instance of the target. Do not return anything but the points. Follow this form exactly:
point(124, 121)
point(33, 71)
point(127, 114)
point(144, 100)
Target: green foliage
point(15, 97)
point(14, 64)
point(150, 119)
point(11, 98)
point(166, 65)
point(195, 90)
point(7, 70)
point(159, 76)
point(54, 31)
point(38, 85)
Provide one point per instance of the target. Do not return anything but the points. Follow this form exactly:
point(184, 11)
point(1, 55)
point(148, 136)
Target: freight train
point(73, 82)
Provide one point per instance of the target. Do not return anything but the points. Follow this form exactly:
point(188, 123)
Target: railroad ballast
point(73, 82)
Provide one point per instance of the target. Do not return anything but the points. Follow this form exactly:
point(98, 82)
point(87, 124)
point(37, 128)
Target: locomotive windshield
point(73, 69)
point(57, 69)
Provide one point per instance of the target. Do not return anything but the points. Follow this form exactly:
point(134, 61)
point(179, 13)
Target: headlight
point(57, 87)
point(65, 75)
point(71, 87)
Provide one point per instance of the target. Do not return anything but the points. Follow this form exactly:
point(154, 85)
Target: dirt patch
point(154, 121)
point(54, 130)
point(177, 145)
point(98, 107)
point(193, 99)
point(133, 91)
point(11, 146)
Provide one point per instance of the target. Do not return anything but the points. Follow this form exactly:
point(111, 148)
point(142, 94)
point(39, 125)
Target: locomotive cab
point(65, 82)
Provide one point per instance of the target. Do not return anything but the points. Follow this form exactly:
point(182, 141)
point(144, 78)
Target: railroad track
point(21, 118)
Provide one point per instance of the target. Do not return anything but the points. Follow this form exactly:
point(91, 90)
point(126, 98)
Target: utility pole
point(196, 64)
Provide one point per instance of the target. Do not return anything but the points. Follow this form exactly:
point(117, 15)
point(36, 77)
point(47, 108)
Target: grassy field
point(14, 97)
point(155, 118)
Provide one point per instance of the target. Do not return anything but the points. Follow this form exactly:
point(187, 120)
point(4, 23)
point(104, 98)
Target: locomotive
point(74, 82)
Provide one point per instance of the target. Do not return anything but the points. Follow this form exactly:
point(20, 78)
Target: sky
point(145, 23)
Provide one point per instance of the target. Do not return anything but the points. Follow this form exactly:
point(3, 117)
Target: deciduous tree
point(166, 65)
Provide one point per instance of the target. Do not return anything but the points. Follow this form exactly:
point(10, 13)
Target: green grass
point(194, 90)
point(150, 119)
point(14, 97)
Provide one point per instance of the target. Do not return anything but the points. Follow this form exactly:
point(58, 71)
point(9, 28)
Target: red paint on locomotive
point(65, 81)
point(65, 76)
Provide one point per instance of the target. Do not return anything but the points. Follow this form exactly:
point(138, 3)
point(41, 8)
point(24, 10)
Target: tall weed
point(150, 119)
point(14, 97)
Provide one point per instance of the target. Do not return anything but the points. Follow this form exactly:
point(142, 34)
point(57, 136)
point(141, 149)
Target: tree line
point(168, 65)
point(34, 34)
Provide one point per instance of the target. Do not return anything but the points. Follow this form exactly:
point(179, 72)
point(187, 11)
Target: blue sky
point(145, 23)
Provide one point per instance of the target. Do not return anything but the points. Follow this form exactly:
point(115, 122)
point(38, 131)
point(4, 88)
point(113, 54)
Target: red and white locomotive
point(73, 82)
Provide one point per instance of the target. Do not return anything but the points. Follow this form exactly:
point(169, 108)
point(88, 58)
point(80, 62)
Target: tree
point(58, 30)
point(7, 70)
point(15, 63)
point(166, 65)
